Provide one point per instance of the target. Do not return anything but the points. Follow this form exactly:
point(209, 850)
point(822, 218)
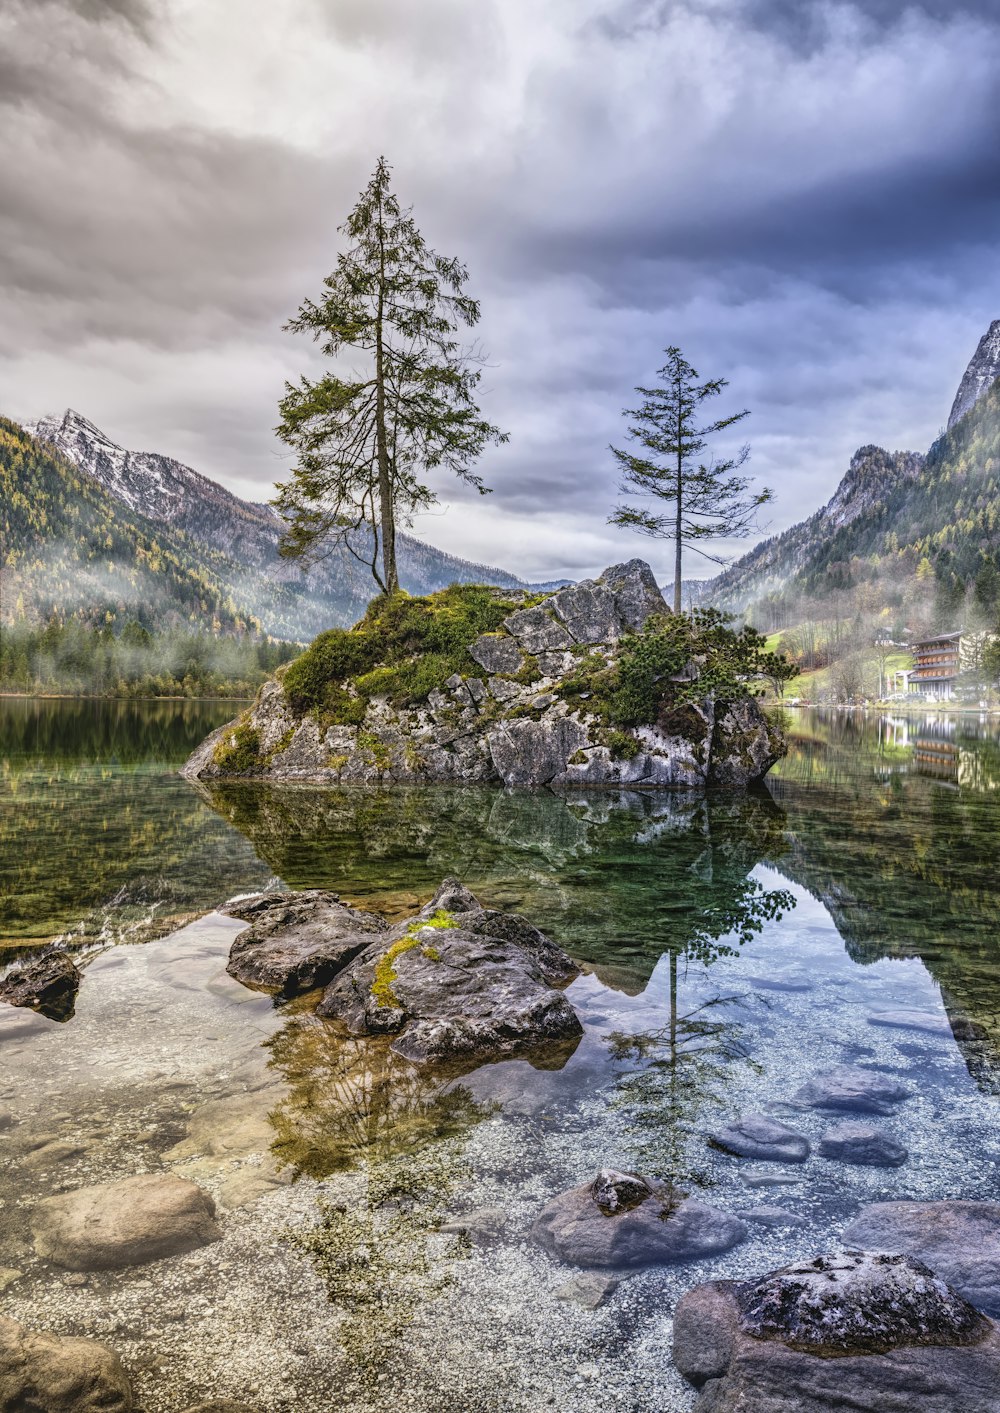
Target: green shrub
point(621, 745)
point(333, 656)
point(239, 750)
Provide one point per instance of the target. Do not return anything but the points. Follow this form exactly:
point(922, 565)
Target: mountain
point(240, 538)
point(981, 374)
point(68, 547)
point(894, 515)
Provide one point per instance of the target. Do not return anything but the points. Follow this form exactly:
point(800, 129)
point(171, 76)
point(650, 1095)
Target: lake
point(730, 948)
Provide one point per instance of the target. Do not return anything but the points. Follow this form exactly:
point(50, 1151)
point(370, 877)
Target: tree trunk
point(390, 575)
point(678, 542)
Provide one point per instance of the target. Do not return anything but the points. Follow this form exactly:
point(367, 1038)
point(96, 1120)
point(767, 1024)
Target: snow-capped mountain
point(246, 535)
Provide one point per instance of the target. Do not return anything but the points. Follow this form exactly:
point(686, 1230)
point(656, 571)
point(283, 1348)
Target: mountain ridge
point(246, 534)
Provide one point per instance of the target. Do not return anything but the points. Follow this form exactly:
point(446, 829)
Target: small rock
point(47, 984)
point(666, 1227)
point(589, 1289)
point(53, 1374)
point(761, 1177)
point(759, 1136)
point(854, 1089)
point(8, 1275)
point(482, 1226)
point(904, 1018)
point(619, 1192)
point(128, 1223)
point(220, 1405)
point(298, 941)
point(61, 1150)
point(772, 1217)
point(862, 1145)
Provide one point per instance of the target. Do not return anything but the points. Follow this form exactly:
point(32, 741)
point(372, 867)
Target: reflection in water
point(618, 878)
point(353, 1103)
point(905, 865)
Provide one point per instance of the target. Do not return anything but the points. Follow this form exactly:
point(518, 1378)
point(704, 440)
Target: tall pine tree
point(365, 438)
point(706, 499)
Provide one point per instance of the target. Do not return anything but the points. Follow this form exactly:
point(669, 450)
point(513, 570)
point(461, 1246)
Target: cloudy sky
point(804, 196)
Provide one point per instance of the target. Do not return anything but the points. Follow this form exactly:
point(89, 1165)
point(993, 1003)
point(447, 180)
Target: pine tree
point(707, 499)
point(365, 440)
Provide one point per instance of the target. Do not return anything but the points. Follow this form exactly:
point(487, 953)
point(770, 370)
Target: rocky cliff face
point(981, 374)
point(522, 720)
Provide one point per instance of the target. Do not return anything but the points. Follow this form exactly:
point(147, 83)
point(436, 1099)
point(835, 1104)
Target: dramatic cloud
point(805, 198)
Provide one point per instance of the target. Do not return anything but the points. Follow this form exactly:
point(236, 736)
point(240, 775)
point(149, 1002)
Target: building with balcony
point(938, 662)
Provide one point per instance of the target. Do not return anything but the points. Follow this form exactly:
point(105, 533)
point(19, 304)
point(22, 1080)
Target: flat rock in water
point(761, 1137)
point(590, 1289)
point(854, 1089)
point(858, 1330)
point(460, 983)
point(862, 1145)
point(220, 1405)
point(297, 941)
point(904, 1018)
point(665, 1227)
point(47, 984)
point(959, 1240)
point(772, 1217)
point(47, 1373)
point(126, 1223)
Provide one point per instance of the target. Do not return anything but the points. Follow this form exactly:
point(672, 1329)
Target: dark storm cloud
point(805, 197)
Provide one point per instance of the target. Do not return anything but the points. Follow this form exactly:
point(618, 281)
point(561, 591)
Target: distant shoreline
point(102, 697)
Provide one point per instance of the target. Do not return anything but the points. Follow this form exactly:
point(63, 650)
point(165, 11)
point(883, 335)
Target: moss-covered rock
point(598, 684)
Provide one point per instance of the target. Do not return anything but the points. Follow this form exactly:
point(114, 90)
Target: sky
point(805, 197)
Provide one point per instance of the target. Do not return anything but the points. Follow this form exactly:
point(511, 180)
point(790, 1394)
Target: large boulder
point(622, 1220)
point(116, 1224)
point(47, 1373)
point(459, 983)
point(530, 719)
point(959, 1240)
point(855, 1330)
point(47, 983)
point(297, 941)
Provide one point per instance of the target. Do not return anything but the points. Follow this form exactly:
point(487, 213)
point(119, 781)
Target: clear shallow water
point(731, 948)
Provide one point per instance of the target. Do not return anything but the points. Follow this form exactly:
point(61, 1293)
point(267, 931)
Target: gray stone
point(614, 1191)
point(637, 594)
point(744, 745)
point(665, 1227)
point(503, 690)
point(220, 1405)
point(537, 630)
point(297, 941)
point(127, 1223)
point(959, 1240)
point(589, 1289)
point(762, 1177)
point(527, 752)
point(853, 1089)
point(772, 1217)
point(590, 612)
point(862, 1145)
point(850, 1330)
point(908, 1018)
point(759, 1136)
point(47, 983)
point(47, 1373)
point(481, 989)
point(497, 652)
point(482, 1226)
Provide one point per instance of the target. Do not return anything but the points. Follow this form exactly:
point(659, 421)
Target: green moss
point(239, 750)
point(578, 758)
point(375, 747)
point(402, 649)
point(529, 671)
point(336, 762)
point(621, 745)
point(280, 745)
point(385, 970)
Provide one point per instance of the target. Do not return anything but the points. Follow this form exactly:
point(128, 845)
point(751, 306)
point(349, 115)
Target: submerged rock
point(47, 1373)
point(854, 1089)
point(459, 983)
point(853, 1329)
point(759, 1136)
point(959, 1240)
point(589, 1289)
point(127, 1223)
point(532, 719)
point(862, 1145)
point(664, 1227)
point(297, 941)
point(47, 984)
point(908, 1018)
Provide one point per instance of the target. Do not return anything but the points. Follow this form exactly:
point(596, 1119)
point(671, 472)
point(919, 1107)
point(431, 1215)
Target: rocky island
point(597, 684)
